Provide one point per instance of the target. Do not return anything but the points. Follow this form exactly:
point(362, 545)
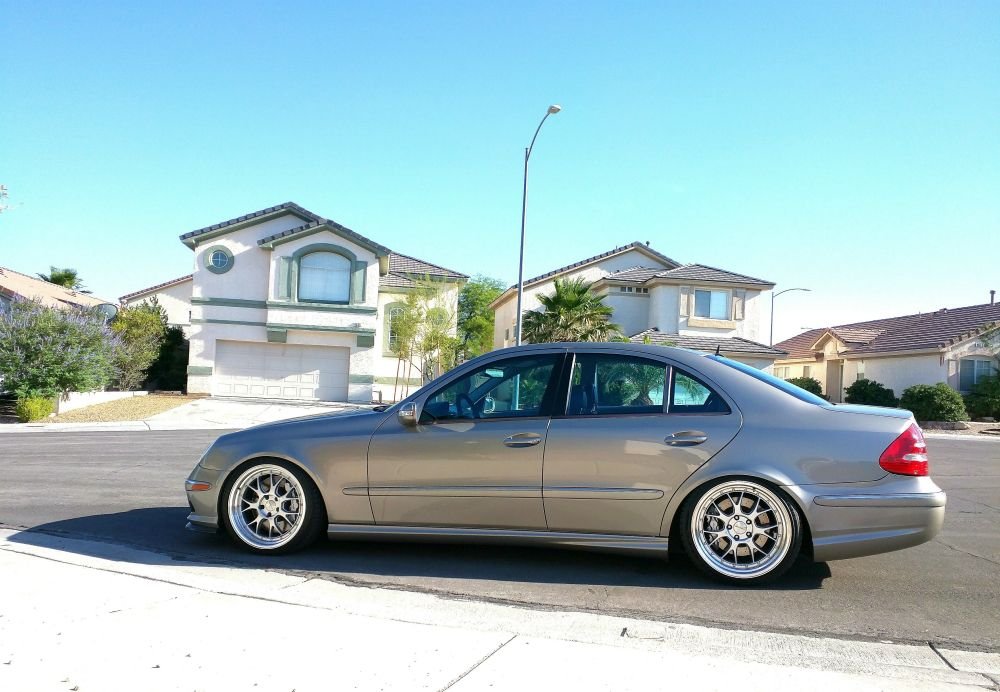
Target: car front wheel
point(741, 531)
point(272, 507)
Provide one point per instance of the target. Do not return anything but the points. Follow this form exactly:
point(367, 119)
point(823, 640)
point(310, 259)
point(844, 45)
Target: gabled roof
point(703, 272)
point(15, 284)
point(314, 226)
point(635, 275)
point(157, 287)
point(923, 331)
point(708, 343)
point(190, 238)
point(636, 245)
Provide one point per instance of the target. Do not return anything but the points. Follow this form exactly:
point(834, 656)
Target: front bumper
point(856, 523)
point(204, 504)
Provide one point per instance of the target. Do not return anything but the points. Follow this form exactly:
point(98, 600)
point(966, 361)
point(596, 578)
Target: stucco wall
point(175, 301)
point(905, 371)
point(631, 310)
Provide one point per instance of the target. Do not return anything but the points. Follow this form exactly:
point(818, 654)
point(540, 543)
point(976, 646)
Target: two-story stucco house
point(657, 299)
point(286, 304)
point(947, 345)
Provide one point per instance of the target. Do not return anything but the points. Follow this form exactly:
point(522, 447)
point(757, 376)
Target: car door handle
point(687, 438)
point(522, 440)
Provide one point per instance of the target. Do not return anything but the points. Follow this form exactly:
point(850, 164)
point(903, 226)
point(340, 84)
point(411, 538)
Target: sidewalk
point(78, 615)
point(202, 414)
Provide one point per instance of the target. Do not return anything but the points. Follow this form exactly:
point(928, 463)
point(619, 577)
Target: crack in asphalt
point(477, 664)
point(966, 552)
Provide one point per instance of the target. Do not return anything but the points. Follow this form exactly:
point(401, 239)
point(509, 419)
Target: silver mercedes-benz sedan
point(610, 446)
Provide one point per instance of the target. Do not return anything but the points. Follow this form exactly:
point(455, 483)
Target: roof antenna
point(717, 347)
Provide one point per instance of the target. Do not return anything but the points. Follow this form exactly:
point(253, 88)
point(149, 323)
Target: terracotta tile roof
point(157, 287)
point(13, 283)
point(636, 275)
point(708, 343)
point(930, 330)
point(405, 264)
point(703, 272)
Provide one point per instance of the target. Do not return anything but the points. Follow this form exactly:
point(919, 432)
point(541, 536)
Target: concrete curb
point(391, 639)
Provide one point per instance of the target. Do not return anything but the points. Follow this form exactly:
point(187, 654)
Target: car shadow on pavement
point(157, 536)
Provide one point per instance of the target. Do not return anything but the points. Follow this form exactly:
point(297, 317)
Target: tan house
point(15, 285)
point(660, 300)
point(286, 304)
point(897, 352)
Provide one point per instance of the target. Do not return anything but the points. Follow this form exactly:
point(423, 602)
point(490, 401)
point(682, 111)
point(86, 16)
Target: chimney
point(993, 295)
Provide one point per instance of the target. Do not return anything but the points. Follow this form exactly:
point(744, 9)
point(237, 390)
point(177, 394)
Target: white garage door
point(281, 371)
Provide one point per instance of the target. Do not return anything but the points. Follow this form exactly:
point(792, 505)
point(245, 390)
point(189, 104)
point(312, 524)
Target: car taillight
point(907, 455)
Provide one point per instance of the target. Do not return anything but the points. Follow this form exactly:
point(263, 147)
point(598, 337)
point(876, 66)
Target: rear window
point(776, 382)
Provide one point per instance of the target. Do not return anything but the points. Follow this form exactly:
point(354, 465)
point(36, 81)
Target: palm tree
point(572, 313)
point(67, 278)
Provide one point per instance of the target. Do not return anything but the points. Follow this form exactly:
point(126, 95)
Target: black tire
point(749, 527)
point(291, 514)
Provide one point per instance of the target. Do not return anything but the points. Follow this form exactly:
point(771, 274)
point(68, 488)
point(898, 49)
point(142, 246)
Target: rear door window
point(609, 384)
point(688, 394)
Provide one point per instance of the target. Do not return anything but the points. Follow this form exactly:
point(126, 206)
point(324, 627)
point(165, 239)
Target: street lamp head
point(554, 108)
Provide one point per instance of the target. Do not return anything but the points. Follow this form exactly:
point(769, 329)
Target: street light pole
point(773, 296)
point(524, 208)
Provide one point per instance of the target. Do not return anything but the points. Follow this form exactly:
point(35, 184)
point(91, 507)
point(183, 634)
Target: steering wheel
point(463, 397)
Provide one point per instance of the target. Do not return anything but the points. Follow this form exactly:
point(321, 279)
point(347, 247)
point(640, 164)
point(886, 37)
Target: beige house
point(657, 299)
point(898, 352)
point(15, 285)
point(286, 304)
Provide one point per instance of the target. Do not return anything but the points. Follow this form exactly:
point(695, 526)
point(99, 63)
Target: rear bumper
point(857, 524)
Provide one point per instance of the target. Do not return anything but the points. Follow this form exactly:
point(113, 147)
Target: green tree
point(423, 337)
point(141, 330)
point(67, 278)
point(46, 352)
point(572, 313)
point(475, 319)
point(169, 370)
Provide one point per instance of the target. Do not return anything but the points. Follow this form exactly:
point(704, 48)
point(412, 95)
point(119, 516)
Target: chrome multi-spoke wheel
point(742, 531)
point(269, 508)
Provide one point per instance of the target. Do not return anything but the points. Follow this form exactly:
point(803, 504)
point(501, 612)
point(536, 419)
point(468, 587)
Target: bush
point(937, 402)
point(984, 399)
point(810, 384)
point(34, 408)
point(141, 330)
point(45, 351)
point(871, 393)
point(169, 370)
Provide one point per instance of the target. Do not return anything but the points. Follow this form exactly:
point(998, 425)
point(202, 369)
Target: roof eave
point(195, 238)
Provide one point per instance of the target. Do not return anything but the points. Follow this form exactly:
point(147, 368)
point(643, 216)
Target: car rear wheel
point(741, 531)
point(272, 507)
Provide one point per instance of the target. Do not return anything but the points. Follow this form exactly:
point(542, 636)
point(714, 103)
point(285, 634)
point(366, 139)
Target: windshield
point(776, 382)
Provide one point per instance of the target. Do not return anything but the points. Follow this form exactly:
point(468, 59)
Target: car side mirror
point(407, 414)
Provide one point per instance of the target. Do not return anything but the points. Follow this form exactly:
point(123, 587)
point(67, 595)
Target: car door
point(474, 457)
point(633, 430)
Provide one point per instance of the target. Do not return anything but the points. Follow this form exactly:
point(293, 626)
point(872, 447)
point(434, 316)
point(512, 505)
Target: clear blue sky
point(849, 147)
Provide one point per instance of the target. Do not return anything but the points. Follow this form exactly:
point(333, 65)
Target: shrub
point(984, 399)
point(937, 402)
point(45, 351)
point(810, 384)
point(871, 393)
point(34, 408)
point(169, 370)
point(141, 330)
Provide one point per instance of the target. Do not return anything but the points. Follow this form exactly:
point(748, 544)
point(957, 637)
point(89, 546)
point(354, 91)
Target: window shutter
point(283, 289)
point(739, 300)
point(685, 301)
point(358, 282)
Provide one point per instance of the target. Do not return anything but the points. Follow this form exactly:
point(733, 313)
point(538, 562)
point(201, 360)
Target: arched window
point(325, 277)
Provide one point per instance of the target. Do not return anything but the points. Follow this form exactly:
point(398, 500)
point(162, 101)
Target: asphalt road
point(127, 488)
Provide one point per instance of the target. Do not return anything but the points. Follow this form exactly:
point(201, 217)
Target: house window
point(711, 304)
point(325, 277)
point(644, 290)
point(972, 371)
point(392, 314)
point(807, 371)
point(781, 372)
